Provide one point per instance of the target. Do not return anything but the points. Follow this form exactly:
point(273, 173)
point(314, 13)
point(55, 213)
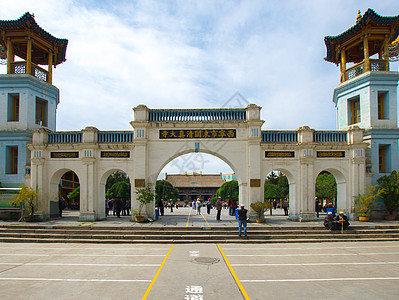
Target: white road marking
point(311, 248)
point(74, 279)
point(312, 254)
point(84, 255)
point(76, 264)
point(194, 253)
point(317, 264)
point(319, 279)
point(79, 247)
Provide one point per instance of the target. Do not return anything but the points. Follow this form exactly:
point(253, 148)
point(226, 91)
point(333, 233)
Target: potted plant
point(260, 208)
point(144, 196)
point(27, 196)
point(389, 187)
point(365, 202)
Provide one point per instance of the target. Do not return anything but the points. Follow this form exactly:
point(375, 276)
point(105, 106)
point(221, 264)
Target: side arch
point(101, 188)
point(293, 200)
point(343, 197)
point(53, 189)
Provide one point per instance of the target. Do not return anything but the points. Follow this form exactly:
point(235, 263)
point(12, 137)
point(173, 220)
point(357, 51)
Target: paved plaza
point(356, 270)
point(365, 270)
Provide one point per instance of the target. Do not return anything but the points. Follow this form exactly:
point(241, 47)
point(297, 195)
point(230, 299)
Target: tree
point(26, 195)
point(276, 186)
point(228, 190)
point(326, 187)
point(260, 208)
point(75, 194)
point(273, 191)
point(364, 203)
point(116, 177)
point(282, 182)
point(144, 196)
point(120, 190)
point(272, 178)
point(165, 190)
point(389, 187)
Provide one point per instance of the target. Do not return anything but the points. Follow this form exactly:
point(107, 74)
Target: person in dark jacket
point(61, 206)
point(208, 206)
point(317, 206)
point(118, 207)
point(219, 205)
point(242, 220)
point(341, 221)
point(161, 207)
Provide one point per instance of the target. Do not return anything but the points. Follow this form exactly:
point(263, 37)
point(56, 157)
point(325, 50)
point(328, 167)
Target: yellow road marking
point(244, 293)
point(205, 220)
point(156, 275)
point(188, 218)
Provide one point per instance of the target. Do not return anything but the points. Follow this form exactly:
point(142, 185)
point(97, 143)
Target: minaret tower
point(28, 100)
point(367, 94)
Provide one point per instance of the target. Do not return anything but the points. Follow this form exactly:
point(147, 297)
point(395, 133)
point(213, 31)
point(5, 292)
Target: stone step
point(232, 231)
point(194, 241)
point(194, 236)
point(251, 227)
point(228, 234)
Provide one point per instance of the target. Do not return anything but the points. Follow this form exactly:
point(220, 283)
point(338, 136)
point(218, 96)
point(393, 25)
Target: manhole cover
point(206, 260)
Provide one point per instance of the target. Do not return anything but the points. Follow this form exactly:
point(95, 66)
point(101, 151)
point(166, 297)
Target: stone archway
point(53, 190)
point(101, 190)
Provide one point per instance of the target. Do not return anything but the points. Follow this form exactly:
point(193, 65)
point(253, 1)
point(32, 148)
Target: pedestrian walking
point(161, 207)
point(242, 220)
point(118, 207)
point(219, 205)
point(285, 207)
point(199, 206)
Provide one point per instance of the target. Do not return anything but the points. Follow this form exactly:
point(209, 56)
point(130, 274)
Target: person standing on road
point(219, 205)
point(199, 206)
point(208, 206)
point(161, 207)
point(317, 206)
point(285, 206)
point(242, 220)
point(118, 207)
point(61, 206)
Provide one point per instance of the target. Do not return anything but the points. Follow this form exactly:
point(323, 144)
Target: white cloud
point(168, 54)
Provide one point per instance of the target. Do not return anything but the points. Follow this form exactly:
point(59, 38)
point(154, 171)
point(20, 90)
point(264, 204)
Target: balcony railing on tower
point(20, 67)
point(358, 69)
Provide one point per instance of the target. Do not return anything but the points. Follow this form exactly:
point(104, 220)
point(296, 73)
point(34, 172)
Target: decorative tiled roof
point(22, 23)
point(370, 16)
point(195, 180)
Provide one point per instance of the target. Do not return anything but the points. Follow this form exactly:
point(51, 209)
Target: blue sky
point(195, 54)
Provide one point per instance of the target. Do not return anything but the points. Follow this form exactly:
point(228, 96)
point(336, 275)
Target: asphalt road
point(364, 270)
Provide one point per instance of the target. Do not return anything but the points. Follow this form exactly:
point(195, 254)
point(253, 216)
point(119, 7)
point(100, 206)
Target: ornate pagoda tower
point(28, 100)
point(367, 94)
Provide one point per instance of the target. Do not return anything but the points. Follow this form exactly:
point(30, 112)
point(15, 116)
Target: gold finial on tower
point(359, 16)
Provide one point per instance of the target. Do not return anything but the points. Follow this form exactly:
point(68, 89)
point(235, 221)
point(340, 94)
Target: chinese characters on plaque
point(198, 134)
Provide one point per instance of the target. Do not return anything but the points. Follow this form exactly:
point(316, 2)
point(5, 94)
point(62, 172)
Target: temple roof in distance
point(195, 180)
point(27, 21)
point(370, 17)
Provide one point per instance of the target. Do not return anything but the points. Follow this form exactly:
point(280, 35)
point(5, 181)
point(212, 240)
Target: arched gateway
point(233, 135)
